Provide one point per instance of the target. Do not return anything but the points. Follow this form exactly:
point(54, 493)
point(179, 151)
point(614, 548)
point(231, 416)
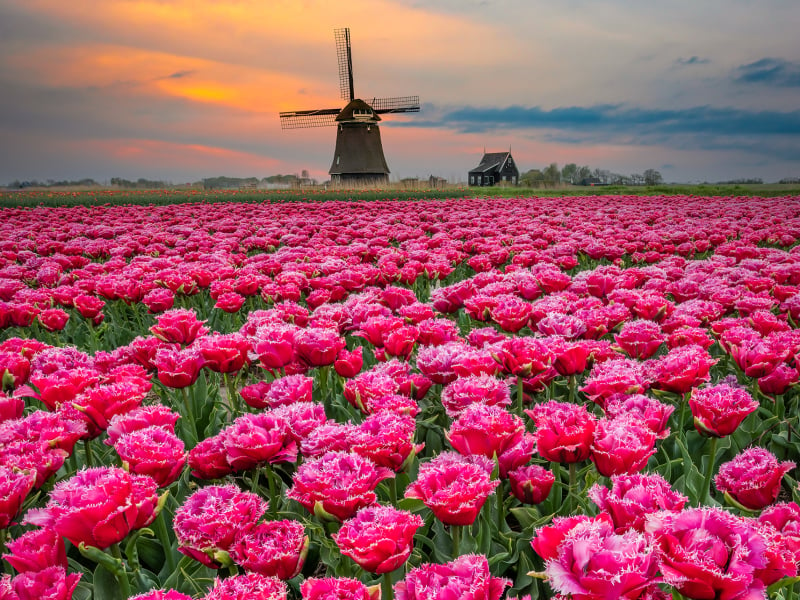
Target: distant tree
point(532, 178)
point(569, 173)
point(652, 177)
point(582, 173)
point(552, 175)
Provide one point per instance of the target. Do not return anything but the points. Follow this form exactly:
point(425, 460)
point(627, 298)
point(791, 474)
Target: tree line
point(551, 176)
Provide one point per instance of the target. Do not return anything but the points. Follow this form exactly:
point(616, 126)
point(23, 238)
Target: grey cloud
point(619, 118)
point(769, 71)
point(692, 60)
point(180, 74)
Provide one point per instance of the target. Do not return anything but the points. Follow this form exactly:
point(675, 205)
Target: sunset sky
point(184, 89)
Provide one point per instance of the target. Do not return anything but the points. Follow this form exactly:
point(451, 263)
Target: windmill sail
point(345, 58)
point(300, 119)
point(399, 104)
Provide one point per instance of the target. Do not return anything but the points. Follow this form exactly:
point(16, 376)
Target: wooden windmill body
point(358, 158)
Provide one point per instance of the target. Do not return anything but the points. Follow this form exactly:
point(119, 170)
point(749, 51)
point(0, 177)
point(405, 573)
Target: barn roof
point(491, 161)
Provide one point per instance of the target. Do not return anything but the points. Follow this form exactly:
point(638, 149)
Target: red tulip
point(98, 506)
point(273, 548)
point(531, 484)
point(378, 538)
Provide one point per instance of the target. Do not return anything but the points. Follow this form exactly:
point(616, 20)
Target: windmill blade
point(300, 119)
point(399, 104)
point(345, 63)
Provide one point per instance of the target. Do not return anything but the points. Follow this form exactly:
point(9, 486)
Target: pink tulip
point(387, 439)
point(161, 595)
point(617, 376)
point(338, 588)
point(254, 440)
point(474, 389)
point(98, 506)
point(467, 576)
point(337, 484)
point(621, 445)
point(719, 409)
point(378, 538)
point(531, 484)
point(51, 583)
point(224, 353)
point(564, 432)
point(455, 492)
point(486, 430)
point(633, 497)
point(753, 478)
point(273, 548)
point(593, 561)
point(708, 553)
point(37, 550)
point(211, 520)
point(152, 451)
point(14, 487)
point(178, 326)
point(251, 586)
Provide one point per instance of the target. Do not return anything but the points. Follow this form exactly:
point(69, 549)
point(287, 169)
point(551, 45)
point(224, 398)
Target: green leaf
point(442, 547)
point(692, 478)
point(781, 583)
point(83, 591)
point(145, 581)
point(106, 586)
point(411, 504)
point(150, 553)
point(498, 559)
point(529, 517)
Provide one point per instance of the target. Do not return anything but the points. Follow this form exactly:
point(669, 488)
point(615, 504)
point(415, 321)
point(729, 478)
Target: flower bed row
point(585, 398)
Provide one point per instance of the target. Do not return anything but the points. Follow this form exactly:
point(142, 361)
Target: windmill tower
point(358, 159)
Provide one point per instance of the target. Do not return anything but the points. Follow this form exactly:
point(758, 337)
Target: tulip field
point(413, 399)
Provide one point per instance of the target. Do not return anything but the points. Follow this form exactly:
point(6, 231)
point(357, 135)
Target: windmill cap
point(357, 110)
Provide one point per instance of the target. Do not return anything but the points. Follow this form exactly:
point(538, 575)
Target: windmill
point(358, 158)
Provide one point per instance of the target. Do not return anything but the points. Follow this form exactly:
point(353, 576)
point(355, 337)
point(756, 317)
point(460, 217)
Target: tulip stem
point(573, 492)
point(555, 468)
point(191, 425)
point(323, 383)
point(233, 399)
point(122, 577)
point(682, 413)
point(393, 490)
point(520, 395)
point(455, 534)
point(712, 452)
point(572, 384)
point(273, 496)
point(501, 517)
point(387, 592)
point(89, 457)
point(6, 564)
point(163, 536)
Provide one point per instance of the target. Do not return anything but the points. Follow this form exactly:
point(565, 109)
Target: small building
point(436, 182)
point(495, 168)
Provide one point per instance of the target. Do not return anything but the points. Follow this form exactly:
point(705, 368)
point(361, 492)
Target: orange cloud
point(279, 54)
point(210, 159)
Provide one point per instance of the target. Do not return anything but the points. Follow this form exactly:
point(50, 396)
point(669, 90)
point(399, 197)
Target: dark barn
point(495, 168)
